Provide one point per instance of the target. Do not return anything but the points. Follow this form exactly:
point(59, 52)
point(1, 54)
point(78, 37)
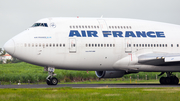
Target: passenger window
point(56, 45)
point(97, 26)
point(177, 45)
point(113, 27)
point(95, 45)
point(162, 45)
point(110, 45)
point(63, 45)
point(145, 45)
point(39, 45)
point(171, 45)
point(85, 26)
point(136, 45)
point(43, 45)
point(151, 45)
point(157, 45)
point(129, 45)
point(166, 45)
point(104, 45)
point(88, 26)
point(154, 45)
point(25, 45)
point(60, 45)
point(148, 45)
point(46, 45)
point(36, 45)
point(32, 45)
point(70, 26)
point(109, 26)
point(91, 26)
point(79, 26)
point(50, 45)
point(76, 26)
point(73, 26)
point(142, 45)
point(89, 45)
point(139, 45)
point(94, 26)
point(29, 45)
point(101, 45)
point(82, 26)
point(113, 45)
point(86, 45)
point(92, 45)
point(107, 45)
point(98, 45)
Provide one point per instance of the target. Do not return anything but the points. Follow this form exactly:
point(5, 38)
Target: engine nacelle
point(109, 74)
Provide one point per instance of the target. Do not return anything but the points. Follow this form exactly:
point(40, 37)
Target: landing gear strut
point(170, 79)
point(50, 80)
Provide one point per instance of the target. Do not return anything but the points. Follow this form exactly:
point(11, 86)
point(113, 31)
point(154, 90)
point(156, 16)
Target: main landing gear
point(170, 79)
point(50, 80)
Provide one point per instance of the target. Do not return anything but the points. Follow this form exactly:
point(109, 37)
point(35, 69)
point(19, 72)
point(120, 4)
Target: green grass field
point(91, 94)
point(36, 74)
point(24, 72)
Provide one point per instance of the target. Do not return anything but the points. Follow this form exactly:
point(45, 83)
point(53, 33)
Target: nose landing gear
point(50, 80)
point(170, 79)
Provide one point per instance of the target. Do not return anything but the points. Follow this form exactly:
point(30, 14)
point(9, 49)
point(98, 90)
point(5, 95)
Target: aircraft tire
point(174, 80)
point(48, 82)
point(162, 80)
point(54, 81)
point(168, 80)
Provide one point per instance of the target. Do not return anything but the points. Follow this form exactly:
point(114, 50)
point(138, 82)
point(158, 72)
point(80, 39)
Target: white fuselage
point(99, 44)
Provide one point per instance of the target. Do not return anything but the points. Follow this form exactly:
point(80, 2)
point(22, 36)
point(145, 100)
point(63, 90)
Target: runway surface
point(90, 86)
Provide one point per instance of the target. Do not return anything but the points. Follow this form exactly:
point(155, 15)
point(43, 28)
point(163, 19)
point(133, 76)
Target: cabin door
point(72, 45)
point(128, 45)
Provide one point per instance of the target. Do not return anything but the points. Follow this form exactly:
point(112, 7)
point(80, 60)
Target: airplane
point(112, 47)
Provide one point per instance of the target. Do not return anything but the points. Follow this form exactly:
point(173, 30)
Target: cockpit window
point(40, 24)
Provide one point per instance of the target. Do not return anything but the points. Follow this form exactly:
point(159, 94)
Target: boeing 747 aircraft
point(112, 47)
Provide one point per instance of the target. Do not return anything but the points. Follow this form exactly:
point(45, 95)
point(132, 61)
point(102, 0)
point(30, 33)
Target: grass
point(36, 74)
point(91, 94)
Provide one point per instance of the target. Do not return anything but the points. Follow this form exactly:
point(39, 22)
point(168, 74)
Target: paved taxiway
point(89, 86)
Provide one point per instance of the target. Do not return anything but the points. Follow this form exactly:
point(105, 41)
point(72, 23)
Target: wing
point(160, 59)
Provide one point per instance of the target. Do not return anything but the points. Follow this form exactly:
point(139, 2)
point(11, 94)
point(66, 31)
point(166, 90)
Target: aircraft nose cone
point(9, 46)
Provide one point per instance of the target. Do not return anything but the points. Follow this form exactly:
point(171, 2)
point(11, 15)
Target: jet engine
point(109, 74)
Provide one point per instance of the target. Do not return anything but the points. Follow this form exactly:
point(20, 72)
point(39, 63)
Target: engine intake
point(109, 74)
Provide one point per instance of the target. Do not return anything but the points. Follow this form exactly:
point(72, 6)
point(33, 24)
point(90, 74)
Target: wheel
point(162, 80)
point(168, 80)
point(48, 82)
point(174, 80)
point(54, 81)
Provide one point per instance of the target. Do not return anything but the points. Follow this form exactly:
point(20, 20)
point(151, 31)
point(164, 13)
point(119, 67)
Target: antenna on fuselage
point(101, 16)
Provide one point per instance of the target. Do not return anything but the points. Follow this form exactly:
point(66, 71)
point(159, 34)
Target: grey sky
point(18, 15)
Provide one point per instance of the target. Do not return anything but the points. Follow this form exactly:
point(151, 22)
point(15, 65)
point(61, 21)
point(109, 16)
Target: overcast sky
point(18, 15)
